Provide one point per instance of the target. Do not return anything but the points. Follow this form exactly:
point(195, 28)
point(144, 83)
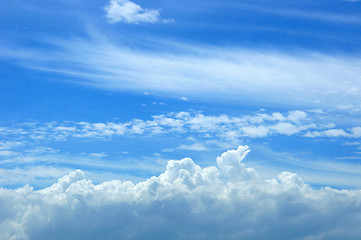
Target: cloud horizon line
point(183, 198)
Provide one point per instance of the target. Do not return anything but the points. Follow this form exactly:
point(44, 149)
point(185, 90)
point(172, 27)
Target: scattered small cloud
point(41, 149)
point(129, 12)
point(318, 111)
point(345, 106)
point(6, 145)
point(7, 153)
point(158, 103)
point(221, 127)
point(351, 143)
point(193, 147)
point(98, 155)
point(354, 132)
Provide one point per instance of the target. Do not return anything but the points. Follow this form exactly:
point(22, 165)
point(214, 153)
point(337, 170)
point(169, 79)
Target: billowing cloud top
point(186, 201)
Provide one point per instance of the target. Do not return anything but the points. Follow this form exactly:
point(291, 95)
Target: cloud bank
point(227, 201)
point(130, 12)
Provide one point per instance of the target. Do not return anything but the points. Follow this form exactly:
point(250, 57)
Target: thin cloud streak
point(309, 79)
point(305, 14)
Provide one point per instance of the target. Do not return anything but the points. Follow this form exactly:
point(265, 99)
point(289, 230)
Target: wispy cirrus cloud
point(327, 16)
point(225, 73)
point(354, 132)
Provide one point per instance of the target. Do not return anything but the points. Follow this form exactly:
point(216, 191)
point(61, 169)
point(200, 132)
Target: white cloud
point(226, 127)
point(221, 127)
point(10, 145)
point(298, 80)
point(193, 147)
point(286, 128)
point(351, 143)
point(345, 107)
point(98, 155)
point(314, 15)
point(335, 133)
point(129, 12)
point(184, 99)
point(41, 176)
point(354, 132)
point(254, 131)
point(296, 116)
point(227, 201)
point(39, 150)
point(7, 153)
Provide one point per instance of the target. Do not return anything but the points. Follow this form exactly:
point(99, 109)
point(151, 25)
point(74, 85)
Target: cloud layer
point(26, 146)
point(227, 201)
point(222, 127)
point(177, 69)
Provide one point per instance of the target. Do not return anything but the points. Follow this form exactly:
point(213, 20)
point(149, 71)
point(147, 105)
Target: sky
point(180, 119)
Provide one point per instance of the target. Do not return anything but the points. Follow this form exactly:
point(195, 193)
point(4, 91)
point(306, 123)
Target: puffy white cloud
point(356, 131)
point(227, 201)
point(255, 131)
point(296, 116)
point(129, 12)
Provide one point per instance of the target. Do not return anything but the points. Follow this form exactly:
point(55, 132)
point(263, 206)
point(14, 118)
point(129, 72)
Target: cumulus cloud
point(129, 12)
point(227, 201)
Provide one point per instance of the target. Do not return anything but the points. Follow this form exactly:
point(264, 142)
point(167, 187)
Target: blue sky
point(118, 89)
